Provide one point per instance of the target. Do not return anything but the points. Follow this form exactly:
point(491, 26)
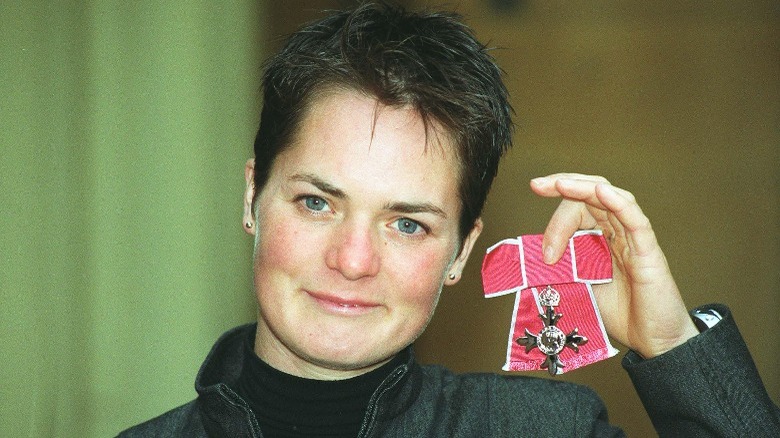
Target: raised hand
point(642, 307)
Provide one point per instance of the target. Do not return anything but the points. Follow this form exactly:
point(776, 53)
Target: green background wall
point(124, 129)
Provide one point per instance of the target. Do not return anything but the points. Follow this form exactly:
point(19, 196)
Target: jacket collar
point(223, 410)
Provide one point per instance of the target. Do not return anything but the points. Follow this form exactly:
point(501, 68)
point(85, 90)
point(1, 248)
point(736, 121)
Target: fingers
point(569, 217)
point(546, 186)
point(634, 225)
point(589, 202)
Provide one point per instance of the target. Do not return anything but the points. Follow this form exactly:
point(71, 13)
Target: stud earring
point(248, 224)
point(452, 276)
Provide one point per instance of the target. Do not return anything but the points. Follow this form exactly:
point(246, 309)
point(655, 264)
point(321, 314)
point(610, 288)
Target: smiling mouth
point(341, 306)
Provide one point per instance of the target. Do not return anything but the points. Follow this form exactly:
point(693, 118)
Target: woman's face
point(357, 231)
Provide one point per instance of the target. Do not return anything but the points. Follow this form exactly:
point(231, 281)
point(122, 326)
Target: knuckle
point(644, 224)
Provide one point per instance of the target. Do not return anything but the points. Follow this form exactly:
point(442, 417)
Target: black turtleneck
point(291, 406)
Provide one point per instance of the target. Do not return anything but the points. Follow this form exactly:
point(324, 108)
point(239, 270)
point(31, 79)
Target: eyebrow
point(320, 184)
point(400, 207)
point(409, 208)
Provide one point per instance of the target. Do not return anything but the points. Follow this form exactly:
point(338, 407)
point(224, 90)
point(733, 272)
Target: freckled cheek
point(280, 250)
point(422, 277)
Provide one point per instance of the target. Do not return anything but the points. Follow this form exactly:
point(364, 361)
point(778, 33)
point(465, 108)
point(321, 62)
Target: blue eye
point(407, 226)
point(315, 203)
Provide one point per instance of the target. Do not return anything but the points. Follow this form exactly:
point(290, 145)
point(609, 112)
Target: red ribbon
point(517, 266)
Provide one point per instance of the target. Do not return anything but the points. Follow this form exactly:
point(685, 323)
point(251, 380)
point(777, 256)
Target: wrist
point(685, 331)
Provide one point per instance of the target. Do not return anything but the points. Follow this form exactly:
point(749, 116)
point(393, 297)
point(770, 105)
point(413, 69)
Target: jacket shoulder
point(529, 389)
point(181, 421)
point(519, 403)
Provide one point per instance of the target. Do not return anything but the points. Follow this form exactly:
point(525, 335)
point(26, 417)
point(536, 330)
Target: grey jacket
point(693, 390)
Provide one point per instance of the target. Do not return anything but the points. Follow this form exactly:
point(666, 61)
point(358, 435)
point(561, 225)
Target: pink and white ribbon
point(517, 266)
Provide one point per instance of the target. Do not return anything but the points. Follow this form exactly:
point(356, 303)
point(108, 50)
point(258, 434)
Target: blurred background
point(124, 127)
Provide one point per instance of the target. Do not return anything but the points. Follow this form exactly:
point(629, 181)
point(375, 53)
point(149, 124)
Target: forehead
point(361, 111)
point(354, 136)
point(337, 116)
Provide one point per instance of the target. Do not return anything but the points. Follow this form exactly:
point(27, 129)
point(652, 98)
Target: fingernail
point(548, 254)
point(540, 181)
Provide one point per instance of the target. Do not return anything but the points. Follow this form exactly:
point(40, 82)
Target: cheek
point(423, 277)
point(278, 250)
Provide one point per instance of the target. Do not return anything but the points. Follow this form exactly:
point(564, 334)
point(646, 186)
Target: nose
point(354, 251)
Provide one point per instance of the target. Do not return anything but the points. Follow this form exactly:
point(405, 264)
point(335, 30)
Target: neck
point(273, 352)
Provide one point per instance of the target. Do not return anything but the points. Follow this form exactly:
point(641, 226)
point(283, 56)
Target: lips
point(342, 305)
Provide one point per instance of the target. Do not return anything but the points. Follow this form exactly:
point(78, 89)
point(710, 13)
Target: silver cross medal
point(551, 340)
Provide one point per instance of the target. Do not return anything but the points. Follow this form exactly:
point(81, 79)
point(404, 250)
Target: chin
point(351, 360)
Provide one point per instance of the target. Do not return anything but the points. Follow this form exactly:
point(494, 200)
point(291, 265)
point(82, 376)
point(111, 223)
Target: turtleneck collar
point(291, 406)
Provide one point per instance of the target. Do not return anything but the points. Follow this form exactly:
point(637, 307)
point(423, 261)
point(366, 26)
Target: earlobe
point(465, 251)
point(249, 194)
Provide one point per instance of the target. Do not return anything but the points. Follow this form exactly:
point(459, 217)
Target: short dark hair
point(428, 60)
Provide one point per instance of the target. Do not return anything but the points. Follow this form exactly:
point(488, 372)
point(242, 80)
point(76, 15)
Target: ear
point(249, 224)
point(454, 273)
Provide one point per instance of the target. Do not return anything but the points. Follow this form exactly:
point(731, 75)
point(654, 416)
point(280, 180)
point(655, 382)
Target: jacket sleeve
point(708, 386)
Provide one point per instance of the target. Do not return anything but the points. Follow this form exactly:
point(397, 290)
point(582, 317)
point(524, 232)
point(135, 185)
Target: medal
point(541, 337)
point(551, 340)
